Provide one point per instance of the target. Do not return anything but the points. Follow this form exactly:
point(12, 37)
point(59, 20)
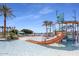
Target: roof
point(71, 22)
point(20, 32)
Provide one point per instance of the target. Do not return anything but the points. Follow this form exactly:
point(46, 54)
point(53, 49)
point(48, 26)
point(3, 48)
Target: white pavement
point(23, 48)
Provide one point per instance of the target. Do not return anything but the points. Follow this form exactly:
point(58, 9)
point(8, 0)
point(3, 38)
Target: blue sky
point(31, 16)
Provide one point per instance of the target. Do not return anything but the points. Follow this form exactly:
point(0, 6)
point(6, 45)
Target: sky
point(32, 15)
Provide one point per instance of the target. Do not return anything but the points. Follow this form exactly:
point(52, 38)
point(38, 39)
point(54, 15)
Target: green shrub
point(27, 31)
point(12, 36)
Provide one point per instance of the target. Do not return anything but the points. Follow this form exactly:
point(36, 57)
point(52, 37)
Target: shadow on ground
point(67, 48)
point(7, 40)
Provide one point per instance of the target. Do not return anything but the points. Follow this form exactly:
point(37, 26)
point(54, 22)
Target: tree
point(27, 31)
point(15, 31)
point(46, 24)
point(50, 25)
point(5, 12)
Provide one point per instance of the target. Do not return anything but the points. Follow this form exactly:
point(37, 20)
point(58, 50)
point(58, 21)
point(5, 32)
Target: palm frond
point(6, 10)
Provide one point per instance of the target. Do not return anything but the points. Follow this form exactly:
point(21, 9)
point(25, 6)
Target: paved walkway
point(22, 48)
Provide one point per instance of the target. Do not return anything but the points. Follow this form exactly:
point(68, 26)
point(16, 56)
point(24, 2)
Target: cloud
point(30, 16)
point(46, 10)
point(34, 16)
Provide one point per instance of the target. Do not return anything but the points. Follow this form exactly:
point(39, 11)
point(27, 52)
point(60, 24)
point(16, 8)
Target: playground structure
point(68, 33)
point(74, 29)
point(55, 39)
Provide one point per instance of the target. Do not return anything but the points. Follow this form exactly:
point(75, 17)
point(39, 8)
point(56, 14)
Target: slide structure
point(56, 39)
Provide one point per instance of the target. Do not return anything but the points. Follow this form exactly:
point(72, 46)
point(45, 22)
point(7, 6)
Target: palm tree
point(46, 24)
point(50, 25)
point(5, 12)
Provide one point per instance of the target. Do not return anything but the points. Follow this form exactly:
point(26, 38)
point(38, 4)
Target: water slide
point(56, 39)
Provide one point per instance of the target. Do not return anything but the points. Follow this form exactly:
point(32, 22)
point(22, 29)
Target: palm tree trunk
point(59, 26)
point(46, 31)
point(4, 26)
point(46, 34)
point(50, 29)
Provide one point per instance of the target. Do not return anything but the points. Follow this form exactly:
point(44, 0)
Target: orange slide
point(55, 39)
